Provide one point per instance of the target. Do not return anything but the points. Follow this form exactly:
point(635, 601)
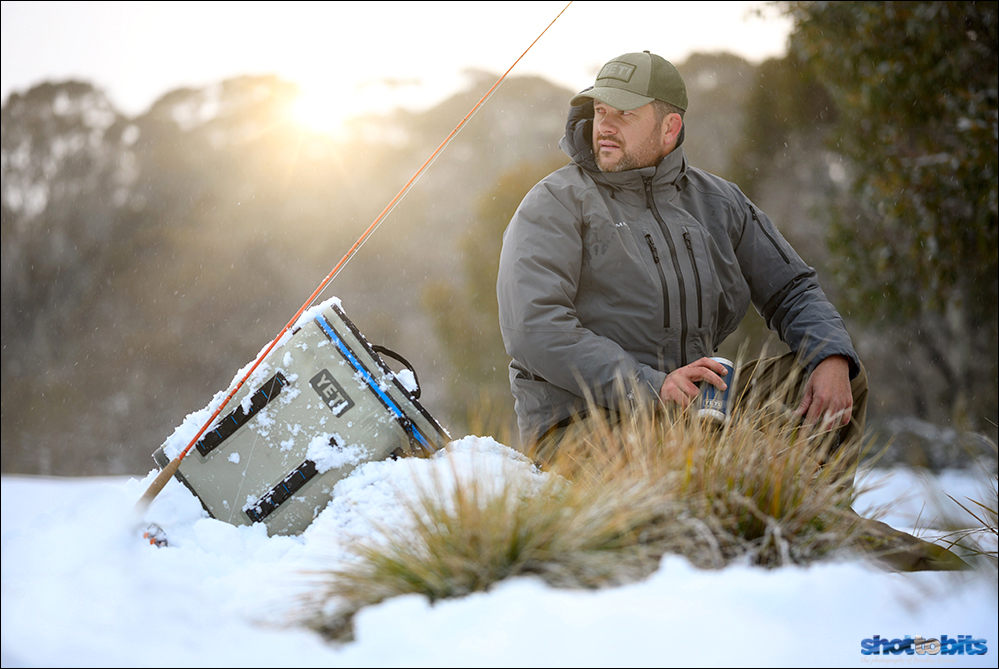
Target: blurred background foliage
point(915, 247)
point(145, 260)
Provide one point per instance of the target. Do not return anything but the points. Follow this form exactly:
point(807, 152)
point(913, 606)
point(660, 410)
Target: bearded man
point(629, 267)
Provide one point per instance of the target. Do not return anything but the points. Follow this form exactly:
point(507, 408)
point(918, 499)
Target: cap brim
point(615, 97)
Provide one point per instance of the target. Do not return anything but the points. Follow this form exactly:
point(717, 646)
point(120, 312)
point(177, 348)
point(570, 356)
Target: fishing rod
point(171, 468)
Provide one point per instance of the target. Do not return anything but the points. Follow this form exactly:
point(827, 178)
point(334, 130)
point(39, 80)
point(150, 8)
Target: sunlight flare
point(319, 110)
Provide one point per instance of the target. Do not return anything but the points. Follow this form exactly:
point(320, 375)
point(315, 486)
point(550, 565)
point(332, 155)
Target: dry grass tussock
point(981, 539)
point(618, 496)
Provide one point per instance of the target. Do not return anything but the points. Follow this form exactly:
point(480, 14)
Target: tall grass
point(619, 495)
point(981, 539)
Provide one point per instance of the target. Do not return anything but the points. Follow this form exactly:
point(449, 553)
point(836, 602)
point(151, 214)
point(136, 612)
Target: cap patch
point(617, 70)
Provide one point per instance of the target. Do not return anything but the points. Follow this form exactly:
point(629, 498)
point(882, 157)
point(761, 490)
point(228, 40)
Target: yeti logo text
point(964, 644)
point(333, 394)
point(619, 71)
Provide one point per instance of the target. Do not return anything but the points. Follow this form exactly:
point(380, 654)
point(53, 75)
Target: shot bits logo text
point(962, 644)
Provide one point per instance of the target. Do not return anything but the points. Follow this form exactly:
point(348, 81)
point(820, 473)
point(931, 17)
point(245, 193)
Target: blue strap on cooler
point(389, 403)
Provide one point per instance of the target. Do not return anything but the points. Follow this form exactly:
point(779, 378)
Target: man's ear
point(672, 125)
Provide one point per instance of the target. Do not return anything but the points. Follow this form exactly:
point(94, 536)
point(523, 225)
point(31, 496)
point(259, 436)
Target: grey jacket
point(630, 275)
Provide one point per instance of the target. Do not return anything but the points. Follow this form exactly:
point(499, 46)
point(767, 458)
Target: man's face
point(626, 140)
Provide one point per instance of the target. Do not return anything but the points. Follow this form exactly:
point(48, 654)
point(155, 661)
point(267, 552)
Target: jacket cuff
point(651, 381)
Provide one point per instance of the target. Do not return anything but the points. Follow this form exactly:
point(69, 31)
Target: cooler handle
point(395, 356)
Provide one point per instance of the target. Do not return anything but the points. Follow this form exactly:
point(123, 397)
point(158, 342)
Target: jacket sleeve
point(787, 294)
point(536, 289)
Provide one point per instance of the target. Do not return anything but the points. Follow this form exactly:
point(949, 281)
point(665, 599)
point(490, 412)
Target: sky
point(338, 52)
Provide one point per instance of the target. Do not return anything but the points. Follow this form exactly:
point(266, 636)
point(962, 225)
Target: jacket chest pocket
point(701, 274)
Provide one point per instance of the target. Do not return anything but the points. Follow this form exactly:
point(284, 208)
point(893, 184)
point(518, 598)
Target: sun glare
point(319, 111)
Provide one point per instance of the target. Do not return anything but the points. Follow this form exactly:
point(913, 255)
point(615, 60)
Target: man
point(629, 265)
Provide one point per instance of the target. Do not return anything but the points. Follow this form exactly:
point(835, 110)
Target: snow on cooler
point(329, 451)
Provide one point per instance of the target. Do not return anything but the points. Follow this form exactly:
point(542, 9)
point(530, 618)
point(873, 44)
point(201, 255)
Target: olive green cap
point(634, 80)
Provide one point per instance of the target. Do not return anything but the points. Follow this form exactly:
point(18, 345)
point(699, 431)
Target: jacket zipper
point(651, 204)
point(662, 280)
point(769, 236)
point(697, 278)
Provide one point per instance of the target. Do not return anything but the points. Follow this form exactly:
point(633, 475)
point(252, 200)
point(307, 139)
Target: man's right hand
point(680, 385)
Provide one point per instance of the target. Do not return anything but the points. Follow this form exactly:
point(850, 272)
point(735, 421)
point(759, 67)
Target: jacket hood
point(577, 141)
point(577, 144)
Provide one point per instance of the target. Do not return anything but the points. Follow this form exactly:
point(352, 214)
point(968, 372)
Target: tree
point(915, 86)
point(66, 174)
point(62, 165)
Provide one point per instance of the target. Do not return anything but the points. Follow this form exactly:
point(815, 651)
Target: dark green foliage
point(915, 248)
point(916, 87)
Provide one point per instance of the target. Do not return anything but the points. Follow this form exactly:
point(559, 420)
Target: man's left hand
point(828, 400)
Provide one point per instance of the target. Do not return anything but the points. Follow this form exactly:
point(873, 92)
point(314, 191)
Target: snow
point(328, 451)
point(80, 587)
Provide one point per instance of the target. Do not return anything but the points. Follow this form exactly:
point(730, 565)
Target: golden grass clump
point(617, 496)
point(754, 487)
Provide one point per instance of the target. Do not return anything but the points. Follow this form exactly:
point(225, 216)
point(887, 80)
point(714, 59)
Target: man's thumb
point(806, 402)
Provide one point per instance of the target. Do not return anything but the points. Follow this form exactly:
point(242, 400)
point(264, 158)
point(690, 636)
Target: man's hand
point(680, 385)
point(828, 400)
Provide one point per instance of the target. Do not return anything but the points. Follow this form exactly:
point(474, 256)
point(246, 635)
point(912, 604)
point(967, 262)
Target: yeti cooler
point(322, 403)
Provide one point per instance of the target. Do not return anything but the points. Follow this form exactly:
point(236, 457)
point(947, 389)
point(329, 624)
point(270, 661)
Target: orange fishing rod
point(167, 472)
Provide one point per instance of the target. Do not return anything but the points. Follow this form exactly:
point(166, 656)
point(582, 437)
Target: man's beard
point(648, 154)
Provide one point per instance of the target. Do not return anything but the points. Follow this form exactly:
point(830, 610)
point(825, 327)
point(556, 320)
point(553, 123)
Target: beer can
point(714, 403)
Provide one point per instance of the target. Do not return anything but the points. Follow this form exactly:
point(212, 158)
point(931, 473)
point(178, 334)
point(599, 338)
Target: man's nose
point(606, 127)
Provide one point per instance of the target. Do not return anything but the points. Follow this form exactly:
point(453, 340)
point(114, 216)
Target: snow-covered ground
point(81, 588)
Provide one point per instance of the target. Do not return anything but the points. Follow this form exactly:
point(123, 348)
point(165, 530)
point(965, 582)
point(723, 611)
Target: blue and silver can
point(714, 403)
